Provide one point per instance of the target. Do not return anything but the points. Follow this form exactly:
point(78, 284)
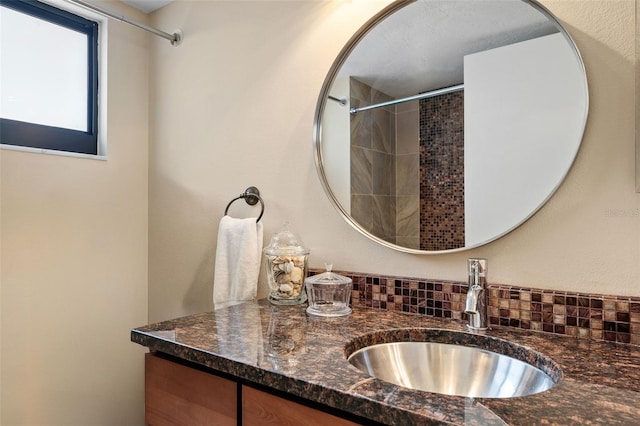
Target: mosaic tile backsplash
point(590, 316)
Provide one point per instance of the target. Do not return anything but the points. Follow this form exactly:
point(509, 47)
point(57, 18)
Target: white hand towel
point(238, 258)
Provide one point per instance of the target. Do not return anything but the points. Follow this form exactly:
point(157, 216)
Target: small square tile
point(623, 316)
point(559, 309)
point(547, 298)
point(622, 306)
point(622, 327)
point(609, 315)
point(585, 333)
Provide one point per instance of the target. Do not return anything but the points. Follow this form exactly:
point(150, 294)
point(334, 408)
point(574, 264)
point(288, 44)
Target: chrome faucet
point(477, 296)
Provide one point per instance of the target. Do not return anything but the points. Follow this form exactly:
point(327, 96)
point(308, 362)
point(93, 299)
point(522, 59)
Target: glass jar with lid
point(329, 294)
point(286, 267)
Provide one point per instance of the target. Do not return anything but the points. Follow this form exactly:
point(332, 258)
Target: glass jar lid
point(286, 242)
point(328, 277)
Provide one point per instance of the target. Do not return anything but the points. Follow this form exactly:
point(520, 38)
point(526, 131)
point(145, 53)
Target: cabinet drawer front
point(179, 395)
point(262, 409)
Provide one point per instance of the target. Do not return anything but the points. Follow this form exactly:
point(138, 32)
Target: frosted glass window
point(43, 72)
point(48, 78)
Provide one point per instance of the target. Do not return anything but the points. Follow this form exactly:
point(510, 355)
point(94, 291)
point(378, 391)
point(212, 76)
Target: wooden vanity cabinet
point(261, 409)
point(178, 394)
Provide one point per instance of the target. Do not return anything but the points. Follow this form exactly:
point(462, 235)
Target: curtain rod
point(424, 95)
point(175, 38)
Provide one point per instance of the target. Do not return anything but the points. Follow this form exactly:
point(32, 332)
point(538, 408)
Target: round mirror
point(445, 124)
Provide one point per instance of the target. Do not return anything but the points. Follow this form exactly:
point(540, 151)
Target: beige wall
point(234, 107)
point(74, 265)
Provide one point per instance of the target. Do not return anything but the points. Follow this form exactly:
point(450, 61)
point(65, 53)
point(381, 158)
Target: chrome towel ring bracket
point(251, 195)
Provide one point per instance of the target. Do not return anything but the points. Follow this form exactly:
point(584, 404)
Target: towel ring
point(251, 195)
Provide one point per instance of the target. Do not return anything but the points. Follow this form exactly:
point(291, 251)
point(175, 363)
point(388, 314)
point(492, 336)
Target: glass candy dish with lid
point(329, 294)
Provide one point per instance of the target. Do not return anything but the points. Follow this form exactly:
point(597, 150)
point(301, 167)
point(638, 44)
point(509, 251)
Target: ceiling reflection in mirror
point(445, 124)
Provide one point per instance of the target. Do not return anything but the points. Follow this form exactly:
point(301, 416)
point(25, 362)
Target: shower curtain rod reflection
point(424, 95)
point(341, 101)
point(175, 38)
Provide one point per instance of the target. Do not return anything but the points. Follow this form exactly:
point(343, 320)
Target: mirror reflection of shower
point(407, 162)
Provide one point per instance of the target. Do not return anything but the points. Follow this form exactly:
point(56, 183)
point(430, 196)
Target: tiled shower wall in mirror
point(442, 172)
point(384, 167)
point(407, 169)
point(373, 183)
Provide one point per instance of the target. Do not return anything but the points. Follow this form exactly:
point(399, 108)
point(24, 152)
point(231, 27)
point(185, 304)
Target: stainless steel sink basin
point(452, 369)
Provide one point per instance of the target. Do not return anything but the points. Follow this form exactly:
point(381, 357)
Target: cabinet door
point(179, 395)
point(262, 409)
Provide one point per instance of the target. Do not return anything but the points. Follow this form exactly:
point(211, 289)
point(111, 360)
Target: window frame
point(31, 135)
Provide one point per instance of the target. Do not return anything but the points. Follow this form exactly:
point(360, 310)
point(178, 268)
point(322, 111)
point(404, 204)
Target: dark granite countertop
point(285, 349)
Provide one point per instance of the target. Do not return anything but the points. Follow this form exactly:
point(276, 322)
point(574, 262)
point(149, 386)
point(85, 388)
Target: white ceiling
point(421, 47)
point(147, 6)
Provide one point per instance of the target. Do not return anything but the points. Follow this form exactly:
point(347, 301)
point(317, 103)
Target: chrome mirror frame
point(324, 96)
